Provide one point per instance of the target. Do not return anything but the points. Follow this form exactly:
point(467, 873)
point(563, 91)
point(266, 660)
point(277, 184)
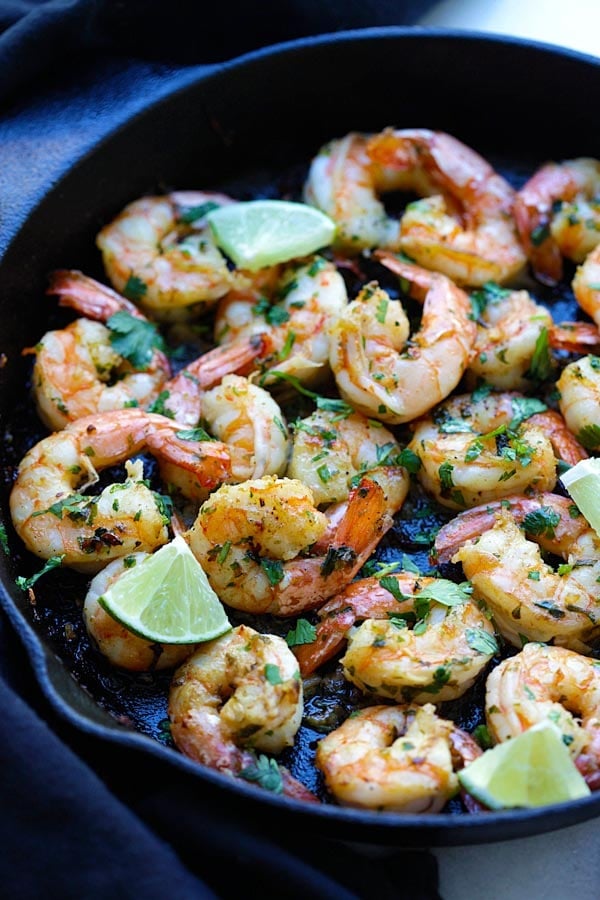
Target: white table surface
point(565, 864)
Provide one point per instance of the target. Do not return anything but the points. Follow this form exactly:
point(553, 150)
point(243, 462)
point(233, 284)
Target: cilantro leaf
point(542, 521)
point(52, 563)
point(134, 339)
point(264, 772)
point(481, 640)
point(4, 538)
point(302, 633)
point(446, 592)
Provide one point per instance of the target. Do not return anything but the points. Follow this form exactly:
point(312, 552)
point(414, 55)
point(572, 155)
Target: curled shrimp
point(579, 399)
point(290, 309)
point(53, 518)
point(395, 758)
point(160, 252)
point(331, 452)
point(509, 326)
point(243, 415)
point(238, 694)
point(464, 226)
point(544, 682)
point(558, 214)
point(120, 646)
point(586, 283)
point(254, 541)
point(376, 367)
point(249, 427)
point(477, 449)
point(442, 657)
point(499, 548)
point(77, 369)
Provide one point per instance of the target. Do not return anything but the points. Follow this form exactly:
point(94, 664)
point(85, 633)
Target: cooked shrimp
point(53, 518)
point(183, 394)
point(477, 449)
point(253, 541)
point(586, 284)
point(120, 646)
point(463, 228)
point(291, 313)
point(528, 599)
point(418, 656)
point(442, 658)
point(395, 758)
point(544, 682)
point(579, 399)
point(509, 326)
point(160, 252)
point(239, 693)
point(244, 415)
point(331, 452)
point(376, 367)
point(78, 371)
point(344, 183)
point(558, 214)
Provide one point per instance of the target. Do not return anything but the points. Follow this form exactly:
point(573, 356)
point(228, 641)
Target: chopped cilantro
point(264, 772)
point(302, 633)
point(541, 362)
point(134, 339)
point(273, 674)
point(26, 583)
point(135, 289)
point(542, 521)
point(481, 640)
point(4, 538)
point(273, 569)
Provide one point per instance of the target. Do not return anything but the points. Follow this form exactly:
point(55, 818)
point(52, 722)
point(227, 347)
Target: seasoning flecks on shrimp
point(375, 365)
point(238, 694)
point(463, 227)
point(160, 252)
point(499, 548)
point(475, 449)
point(291, 313)
point(78, 369)
point(53, 518)
point(558, 214)
point(254, 541)
point(450, 645)
point(544, 682)
point(331, 452)
point(395, 758)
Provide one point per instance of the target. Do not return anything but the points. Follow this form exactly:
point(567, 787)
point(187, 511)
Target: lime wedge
point(167, 598)
point(582, 481)
point(262, 233)
point(533, 769)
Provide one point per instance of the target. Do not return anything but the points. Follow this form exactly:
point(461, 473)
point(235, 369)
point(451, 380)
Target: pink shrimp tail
point(88, 296)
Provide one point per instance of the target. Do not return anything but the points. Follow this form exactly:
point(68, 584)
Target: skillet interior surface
point(250, 129)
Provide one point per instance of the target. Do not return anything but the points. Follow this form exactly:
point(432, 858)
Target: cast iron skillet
point(245, 125)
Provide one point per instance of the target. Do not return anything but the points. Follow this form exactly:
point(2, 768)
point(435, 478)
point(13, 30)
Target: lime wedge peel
point(167, 598)
point(582, 481)
point(531, 770)
point(260, 233)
